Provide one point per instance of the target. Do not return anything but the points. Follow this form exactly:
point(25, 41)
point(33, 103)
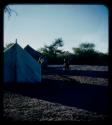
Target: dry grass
point(21, 108)
point(81, 79)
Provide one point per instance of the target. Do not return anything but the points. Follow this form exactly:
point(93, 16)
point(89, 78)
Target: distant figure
point(43, 62)
point(66, 64)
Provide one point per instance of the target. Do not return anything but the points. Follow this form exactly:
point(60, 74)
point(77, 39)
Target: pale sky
point(40, 24)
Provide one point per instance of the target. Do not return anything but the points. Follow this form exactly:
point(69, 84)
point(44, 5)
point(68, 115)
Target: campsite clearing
point(59, 98)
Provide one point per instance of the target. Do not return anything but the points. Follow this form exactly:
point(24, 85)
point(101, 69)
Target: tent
point(20, 66)
point(35, 54)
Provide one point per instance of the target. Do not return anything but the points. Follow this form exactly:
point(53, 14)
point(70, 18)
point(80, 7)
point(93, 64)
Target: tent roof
point(20, 66)
point(33, 52)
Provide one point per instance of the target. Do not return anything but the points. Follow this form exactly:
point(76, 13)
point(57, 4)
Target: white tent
point(20, 66)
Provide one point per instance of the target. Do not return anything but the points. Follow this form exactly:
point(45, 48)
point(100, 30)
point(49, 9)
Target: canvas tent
point(35, 54)
point(20, 66)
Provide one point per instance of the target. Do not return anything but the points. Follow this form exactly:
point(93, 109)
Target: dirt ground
point(61, 97)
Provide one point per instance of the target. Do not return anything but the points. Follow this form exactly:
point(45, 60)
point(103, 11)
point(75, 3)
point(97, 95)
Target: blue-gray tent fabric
point(20, 66)
point(35, 54)
point(10, 65)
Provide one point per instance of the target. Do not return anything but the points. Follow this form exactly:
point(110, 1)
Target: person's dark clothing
point(66, 64)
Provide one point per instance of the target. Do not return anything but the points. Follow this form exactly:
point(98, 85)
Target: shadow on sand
point(69, 93)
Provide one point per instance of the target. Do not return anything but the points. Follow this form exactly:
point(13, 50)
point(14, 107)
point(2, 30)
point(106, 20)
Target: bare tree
point(9, 10)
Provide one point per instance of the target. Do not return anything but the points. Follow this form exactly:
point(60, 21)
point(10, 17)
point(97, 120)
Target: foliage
point(7, 45)
point(9, 10)
point(84, 49)
point(87, 46)
point(52, 51)
point(76, 51)
point(86, 54)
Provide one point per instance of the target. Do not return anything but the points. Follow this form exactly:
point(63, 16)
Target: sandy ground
point(60, 98)
point(81, 79)
point(82, 67)
point(23, 108)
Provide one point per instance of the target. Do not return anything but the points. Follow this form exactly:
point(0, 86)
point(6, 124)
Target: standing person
point(66, 64)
